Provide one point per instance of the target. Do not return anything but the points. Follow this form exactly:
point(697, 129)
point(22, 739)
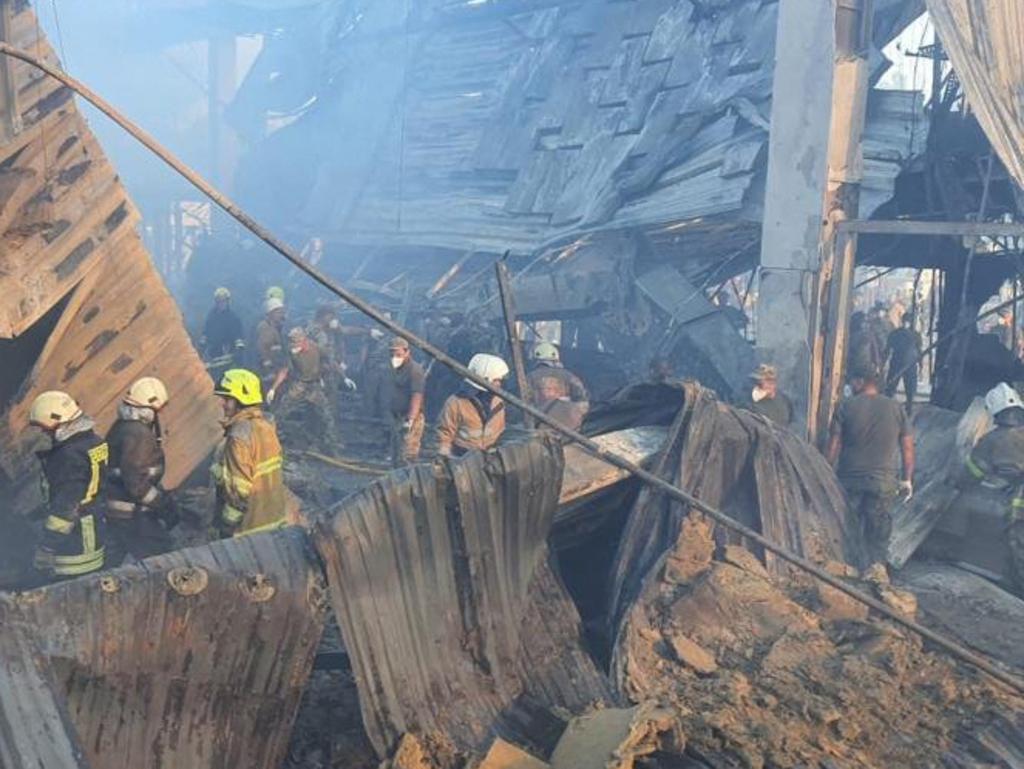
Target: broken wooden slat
point(68, 227)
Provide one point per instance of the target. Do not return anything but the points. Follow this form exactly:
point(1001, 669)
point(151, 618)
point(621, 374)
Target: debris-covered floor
point(425, 621)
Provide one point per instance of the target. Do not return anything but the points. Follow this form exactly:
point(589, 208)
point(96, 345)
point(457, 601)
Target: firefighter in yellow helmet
point(247, 469)
point(74, 474)
point(140, 513)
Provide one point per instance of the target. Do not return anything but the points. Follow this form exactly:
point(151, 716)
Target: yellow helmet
point(52, 409)
point(222, 293)
point(545, 351)
point(242, 385)
point(148, 392)
point(274, 292)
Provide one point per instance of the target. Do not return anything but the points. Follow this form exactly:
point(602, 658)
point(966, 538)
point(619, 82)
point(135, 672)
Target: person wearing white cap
point(997, 462)
point(270, 343)
point(473, 418)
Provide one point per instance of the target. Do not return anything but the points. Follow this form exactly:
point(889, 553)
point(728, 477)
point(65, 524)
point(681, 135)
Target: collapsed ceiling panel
point(528, 122)
point(983, 40)
point(68, 244)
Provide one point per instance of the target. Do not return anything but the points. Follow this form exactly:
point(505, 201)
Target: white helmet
point(489, 367)
point(272, 303)
point(546, 351)
point(147, 393)
point(1002, 397)
point(52, 409)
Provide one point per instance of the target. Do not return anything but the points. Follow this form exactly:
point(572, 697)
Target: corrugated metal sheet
point(67, 233)
point(192, 660)
point(35, 731)
point(983, 39)
point(447, 603)
point(763, 476)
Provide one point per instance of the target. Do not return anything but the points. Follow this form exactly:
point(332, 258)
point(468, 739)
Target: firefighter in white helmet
point(271, 345)
point(997, 461)
point(473, 418)
point(556, 390)
point(74, 474)
point(140, 513)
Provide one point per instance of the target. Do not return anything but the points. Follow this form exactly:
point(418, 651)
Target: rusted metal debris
point(448, 606)
point(196, 658)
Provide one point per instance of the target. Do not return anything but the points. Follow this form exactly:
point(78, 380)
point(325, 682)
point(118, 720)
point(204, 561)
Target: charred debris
point(603, 174)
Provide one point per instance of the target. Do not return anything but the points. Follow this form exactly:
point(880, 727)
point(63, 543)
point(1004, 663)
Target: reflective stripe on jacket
point(249, 473)
point(464, 424)
point(136, 467)
point(997, 462)
point(75, 474)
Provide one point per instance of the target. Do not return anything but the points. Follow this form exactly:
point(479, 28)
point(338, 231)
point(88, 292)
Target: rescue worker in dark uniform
point(903, 350)
point(74, 474)
point(549, 366)
point(139, 512)
point(997, 461)
point(222, 341)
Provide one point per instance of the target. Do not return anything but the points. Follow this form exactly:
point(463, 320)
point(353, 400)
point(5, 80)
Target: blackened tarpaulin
point(759, 474)
point(446, 599)
point(192, 660)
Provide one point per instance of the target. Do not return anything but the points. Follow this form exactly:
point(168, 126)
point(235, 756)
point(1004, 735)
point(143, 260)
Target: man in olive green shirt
point(870, 436)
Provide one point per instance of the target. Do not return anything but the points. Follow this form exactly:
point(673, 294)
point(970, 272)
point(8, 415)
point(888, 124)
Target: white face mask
point(333, 324)
point(397, 362)
point(296, 350)
point(758, 394)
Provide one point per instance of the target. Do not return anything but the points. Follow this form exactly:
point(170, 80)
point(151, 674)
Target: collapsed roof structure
point(84, 308)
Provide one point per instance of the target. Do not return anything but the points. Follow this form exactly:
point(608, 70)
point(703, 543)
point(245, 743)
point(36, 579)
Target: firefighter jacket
point(570, 386)
point(270, 348)
point(997, 461)
point(136, 463)
point(470, 419)
point(74, 475)
point(248, 473)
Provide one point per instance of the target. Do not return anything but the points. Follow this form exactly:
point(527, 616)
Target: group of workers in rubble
point(890, 348)
point(105, 499)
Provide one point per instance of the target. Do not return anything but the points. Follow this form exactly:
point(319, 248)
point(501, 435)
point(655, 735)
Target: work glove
point(351, 385)
point(271, 394)
point(167, 511)
point(376, 333)
point(906, 489)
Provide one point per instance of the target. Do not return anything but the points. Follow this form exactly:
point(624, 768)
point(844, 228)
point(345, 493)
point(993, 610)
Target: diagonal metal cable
point(951, 647)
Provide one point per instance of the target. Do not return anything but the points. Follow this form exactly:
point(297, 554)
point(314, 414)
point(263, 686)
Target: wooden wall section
point(67, 230)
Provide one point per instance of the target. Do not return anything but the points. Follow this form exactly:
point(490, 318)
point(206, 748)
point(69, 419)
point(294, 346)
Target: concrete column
point(795, 191)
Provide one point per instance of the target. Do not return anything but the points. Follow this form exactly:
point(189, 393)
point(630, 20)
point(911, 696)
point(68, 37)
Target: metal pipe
point(590, 446)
